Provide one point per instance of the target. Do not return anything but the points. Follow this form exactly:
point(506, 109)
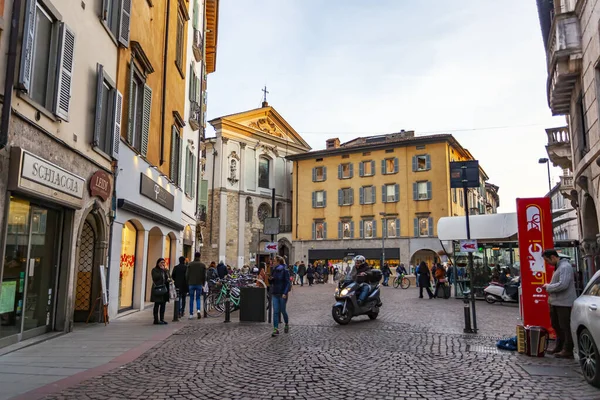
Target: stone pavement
point(414, 350)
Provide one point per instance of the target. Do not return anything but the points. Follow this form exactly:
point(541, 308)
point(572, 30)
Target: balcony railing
point(195, 114)
point(197, 45)
point(558, 135)
point(559, 147)
point(567, 182)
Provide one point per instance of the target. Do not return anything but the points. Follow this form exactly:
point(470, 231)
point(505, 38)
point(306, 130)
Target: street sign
point(464, 174)
point(271, 226)
point(271, 247)
point(468, 246)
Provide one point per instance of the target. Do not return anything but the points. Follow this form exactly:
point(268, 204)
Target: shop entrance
point(27, 298)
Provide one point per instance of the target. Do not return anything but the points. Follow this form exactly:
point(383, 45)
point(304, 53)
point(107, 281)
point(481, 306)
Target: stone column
point(222, 243)
point(242, 210)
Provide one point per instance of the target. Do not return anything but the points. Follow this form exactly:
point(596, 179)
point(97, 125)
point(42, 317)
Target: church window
point(264, 165)
point(264, 211)
point(249, 209)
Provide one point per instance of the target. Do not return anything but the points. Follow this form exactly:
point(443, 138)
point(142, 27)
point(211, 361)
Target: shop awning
point(490, 227)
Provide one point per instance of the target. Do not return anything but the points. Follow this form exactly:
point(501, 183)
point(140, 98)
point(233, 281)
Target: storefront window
point(127, 267)
point(167, 252)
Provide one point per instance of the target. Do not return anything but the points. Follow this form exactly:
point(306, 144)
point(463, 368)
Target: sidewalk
point(34, 372)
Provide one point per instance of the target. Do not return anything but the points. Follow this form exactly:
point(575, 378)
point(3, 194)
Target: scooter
point(507, 293)
point(346, 295)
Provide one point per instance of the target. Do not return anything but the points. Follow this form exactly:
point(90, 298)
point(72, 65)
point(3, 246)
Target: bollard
point(227, 311)
point(205, 295)
point(176, 308)
point(467, 310)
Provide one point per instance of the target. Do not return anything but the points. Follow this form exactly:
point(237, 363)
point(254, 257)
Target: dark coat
point(302, 269)
point(159, 277)
point(310, 272)
point(222, 270)
point(196, 273)
point(424, 277)
point(179, 278)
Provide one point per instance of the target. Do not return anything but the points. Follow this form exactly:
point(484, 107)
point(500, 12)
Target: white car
point(585, 327)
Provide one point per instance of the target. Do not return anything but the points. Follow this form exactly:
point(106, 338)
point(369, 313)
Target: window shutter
point(429, 190)
point(374, 195)
point(374, 228)
point(314, 230)
point(397, 228)
point(416, 227)
point(118, 118)
point(373, 167)
point(173, 153)
point(384, 228)
point(98, 120)
point(146, 119)
point(130, 110)
point(340, 197)
point(383, 194)
point(414, 163)
point(352, 229)
point(193, 188)
point(27, 46)
point(324, 173)
point(361, 227)
point(351, 196)
point(192, 83)
point(340, 171)
point(324, 198)
point(179, 159)
point(361, 169)
point(428, 162)
point(124, 22)
point(186, 186)
point(361, 195)
point(340, 234)
point(415, 191)
point(430, 226)
point(351, 170)
point(314, 199)
point(383, 167)
point(396, 168)
point(314, 174)
point(397, 190)
point(65, 72)
point(324, 230)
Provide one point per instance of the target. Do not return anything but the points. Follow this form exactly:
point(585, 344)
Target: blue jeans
point(386, 279)
point(364, 292)
point(301, 280)
point(195, 290)
point(279, 307)
point(182, 296)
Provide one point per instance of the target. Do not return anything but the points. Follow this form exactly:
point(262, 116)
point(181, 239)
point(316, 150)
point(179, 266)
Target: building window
point(454, 195)
point(109, 110)
point(47, 59)
point(583, 130)
point(345, 197)
point(190, 173)
point(319, 174)
point(116, 15)
point(368, 229)
point(367, 195)
point(249, 209)
point(345, 229)
point(390, 193)
point(319, 230)
point(175, 167)
point(345, 171)
point(264, 166)
point(264, 211)
point(423, 227)
point(460, 198)
point(366, 168)
point(421, 163)
point(389, 166)
point(422, 191)
point(140, 106)
point(391, 227)
point(179, 43)
point(319, 199)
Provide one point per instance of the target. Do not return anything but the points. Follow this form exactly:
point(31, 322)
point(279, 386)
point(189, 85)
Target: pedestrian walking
point(385, 270)
point(295, 271)
point(160, 291)
point(196, 277)
point(440, 280)
point(222, 270)
point(302, 272)
point(326, 274)
point(561, 295)
point(310, 274)
point(280, 287)
point(417, 275)
point(179, 278)
point(424, 279)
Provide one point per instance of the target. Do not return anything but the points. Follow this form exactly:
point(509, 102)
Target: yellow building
point(390, 190)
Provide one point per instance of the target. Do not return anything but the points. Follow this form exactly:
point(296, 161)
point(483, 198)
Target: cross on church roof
point(265, 92)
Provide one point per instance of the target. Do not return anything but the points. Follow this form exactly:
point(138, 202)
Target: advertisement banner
point(534, 218)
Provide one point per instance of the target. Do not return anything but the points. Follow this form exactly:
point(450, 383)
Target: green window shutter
point(194, 168)
point(186, 188)
point(146, 119)
point(173, 166)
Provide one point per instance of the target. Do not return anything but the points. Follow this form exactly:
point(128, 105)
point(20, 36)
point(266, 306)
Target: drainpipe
point(212, 195)
point(297, 162)
point(164, 86)
point(9, 81)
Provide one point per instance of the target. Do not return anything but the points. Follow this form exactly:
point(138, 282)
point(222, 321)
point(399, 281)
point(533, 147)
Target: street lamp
point(547, 162)
point(383, 239)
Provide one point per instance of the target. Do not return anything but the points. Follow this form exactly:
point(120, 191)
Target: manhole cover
point(547, 370)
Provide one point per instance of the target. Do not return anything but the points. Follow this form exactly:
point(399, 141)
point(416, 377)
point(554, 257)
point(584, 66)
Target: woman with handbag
point(160, 290)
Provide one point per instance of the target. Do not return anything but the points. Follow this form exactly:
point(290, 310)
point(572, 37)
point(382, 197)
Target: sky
point(349, 68)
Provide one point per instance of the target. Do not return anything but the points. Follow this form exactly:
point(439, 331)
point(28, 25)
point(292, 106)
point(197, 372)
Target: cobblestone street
point(414, 350)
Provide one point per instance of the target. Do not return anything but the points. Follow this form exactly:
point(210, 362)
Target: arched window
point(249, 210)
point(264, 167)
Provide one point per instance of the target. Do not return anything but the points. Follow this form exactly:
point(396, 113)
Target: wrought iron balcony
point(564, 56)
point(195, 115)
point(559, 147)
point(197, 45)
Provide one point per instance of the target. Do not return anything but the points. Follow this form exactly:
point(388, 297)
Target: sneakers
point(286, 329)
point(191, 316)
point(275, 333)
point(199, 314)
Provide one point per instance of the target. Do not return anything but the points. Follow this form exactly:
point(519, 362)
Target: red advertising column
point(534, 218)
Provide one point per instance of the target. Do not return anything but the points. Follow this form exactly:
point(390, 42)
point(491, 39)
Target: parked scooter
point(507, 293)
point(346, 296)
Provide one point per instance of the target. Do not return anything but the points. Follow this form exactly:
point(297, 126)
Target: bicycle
point(402, 281)
point(215, 302)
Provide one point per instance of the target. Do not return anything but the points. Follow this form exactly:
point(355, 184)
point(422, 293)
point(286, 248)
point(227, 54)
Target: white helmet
point(359, 260)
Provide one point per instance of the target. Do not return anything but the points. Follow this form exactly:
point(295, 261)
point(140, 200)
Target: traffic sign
point(271, 247)
point(468, 246)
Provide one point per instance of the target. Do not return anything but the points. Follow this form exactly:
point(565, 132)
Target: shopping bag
point(172, 291)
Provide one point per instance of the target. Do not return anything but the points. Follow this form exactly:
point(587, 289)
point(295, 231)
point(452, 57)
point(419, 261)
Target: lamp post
point(547, 162)
point(383, 238)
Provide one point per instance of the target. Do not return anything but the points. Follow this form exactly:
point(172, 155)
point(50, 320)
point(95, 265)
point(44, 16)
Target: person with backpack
point(280, 286)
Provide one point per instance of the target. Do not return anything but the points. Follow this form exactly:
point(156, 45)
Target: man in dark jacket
point(196, 278)
point(302, 272)
point(222, 270)
point(181, 284)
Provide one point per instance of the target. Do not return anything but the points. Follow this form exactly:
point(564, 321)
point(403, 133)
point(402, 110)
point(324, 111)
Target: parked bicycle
point(402, 281)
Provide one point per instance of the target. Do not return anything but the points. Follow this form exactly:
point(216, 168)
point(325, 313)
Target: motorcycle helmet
point(359, 260)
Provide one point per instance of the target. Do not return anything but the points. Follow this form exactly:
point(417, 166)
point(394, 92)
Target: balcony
point(195, 114)
point(197, 45)
point(559, 147)
point(564, 61)
point(567, 188)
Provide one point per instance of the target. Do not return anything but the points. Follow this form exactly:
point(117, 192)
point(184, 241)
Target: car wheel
point(588, 358)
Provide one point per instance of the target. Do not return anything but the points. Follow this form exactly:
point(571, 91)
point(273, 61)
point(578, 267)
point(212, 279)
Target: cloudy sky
point(348, 68)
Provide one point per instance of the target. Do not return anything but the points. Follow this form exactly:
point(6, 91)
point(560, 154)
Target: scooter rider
point(361, 271)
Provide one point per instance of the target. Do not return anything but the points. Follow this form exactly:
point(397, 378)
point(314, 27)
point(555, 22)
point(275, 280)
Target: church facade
point(244, 163)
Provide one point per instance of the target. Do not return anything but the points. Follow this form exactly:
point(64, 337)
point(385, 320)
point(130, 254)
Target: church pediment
point(266, 125)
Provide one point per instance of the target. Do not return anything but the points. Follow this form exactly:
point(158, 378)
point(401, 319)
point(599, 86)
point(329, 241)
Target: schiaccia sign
point(100, 185)
point(41, 171)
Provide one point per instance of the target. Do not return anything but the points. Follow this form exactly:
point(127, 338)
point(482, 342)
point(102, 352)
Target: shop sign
point(100, 185)
point(41, 171)
point(156, 193)
point(534, 220)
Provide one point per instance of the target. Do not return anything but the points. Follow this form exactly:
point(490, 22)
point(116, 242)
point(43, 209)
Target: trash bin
point(253, 304)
